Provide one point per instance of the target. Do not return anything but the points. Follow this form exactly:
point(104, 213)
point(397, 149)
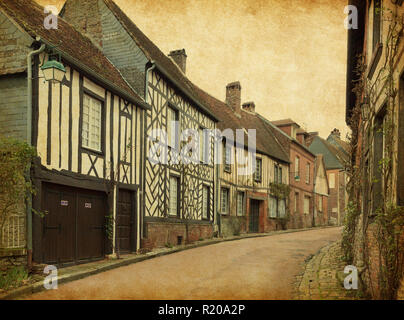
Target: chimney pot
point(233, 96)
point(180, 58)
point(336, 133)
point(249, 106)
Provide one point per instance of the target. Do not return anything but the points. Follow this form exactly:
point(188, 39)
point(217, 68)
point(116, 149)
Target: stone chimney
point(249, 106)
point(336, 133)
point(233, 96)
point(180, 58)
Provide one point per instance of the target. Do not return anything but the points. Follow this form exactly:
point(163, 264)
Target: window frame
point(207, 188)
point(256, 177)
point(226, 166)
point(227, 212)
point(176, 177)
point(94, 96)
point(243, 204)
point(308, 171)
point(169, 132)
point(304, 204)
point(377, 24)
point(297, 168)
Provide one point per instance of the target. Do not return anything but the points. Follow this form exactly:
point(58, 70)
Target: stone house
point(375, 113)
point(302, 168)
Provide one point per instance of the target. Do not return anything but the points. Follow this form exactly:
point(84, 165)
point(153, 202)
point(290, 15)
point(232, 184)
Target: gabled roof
point(266, 141)
point(166, 65)
point(74, 46)
point(333, 157)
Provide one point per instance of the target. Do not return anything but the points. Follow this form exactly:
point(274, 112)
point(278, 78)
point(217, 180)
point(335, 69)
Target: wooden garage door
point(125, 219)
point(73, 228)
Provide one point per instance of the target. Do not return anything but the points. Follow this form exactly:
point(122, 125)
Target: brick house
point(375, 113)
point(78, 124)
point(335, 155)
point(301, 177)
point(246, 201)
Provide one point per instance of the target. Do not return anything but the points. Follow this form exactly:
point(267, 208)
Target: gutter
point(109, 84)
point(29, 138)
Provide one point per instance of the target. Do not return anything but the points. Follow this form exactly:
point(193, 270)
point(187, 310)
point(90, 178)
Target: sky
point(289, 55)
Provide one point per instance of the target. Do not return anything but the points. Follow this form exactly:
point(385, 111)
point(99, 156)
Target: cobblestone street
point(323, 276)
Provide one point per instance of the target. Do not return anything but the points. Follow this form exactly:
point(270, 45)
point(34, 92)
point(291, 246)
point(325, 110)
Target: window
point(227, 157)
point(205, 202)
point(377, 14)
point(320, 204)
point(306, 205)
point(172, 132)
point(297, 168)
point(296, 201)
point(224, 201)
point(273, 207)
point(240, 204)
point(378, 155)
point(174, 196)
point(282, 208)
point(91, 128)
point(332, 180)
point(308, 173)
point(202, 145)
point(258, 170)
point(278, 174)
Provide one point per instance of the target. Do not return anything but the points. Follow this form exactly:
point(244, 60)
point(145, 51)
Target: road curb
point(63, 279)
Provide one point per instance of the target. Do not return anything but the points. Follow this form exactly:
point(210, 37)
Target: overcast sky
point(289, 55)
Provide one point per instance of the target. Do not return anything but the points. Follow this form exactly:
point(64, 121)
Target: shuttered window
point(174, 193)
point(273, 207)
point(224, 201)
point(258, 170)
point(320, 204)
point(227, 157)
point(308, 173)
point(282, 208)
point(91, 126)
point(203, 146)
point(297, 168)
point(240, 204)
point(205, 202)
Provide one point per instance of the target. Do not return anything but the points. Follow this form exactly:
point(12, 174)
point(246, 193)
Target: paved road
point(259, 268)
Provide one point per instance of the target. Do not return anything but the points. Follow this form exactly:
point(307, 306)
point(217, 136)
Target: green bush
point(13, 277)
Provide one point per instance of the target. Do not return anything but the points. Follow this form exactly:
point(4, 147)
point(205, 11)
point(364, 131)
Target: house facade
point(321, 193)
point(335, 155)
point(301, 178)
point(87, 130)
point(178, 202)
point(375, 113)
point(248, 179)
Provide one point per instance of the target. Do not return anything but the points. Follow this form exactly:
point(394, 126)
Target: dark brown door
point(125, 219)
point(254, 216)
point(73, 228)
point(90, 226)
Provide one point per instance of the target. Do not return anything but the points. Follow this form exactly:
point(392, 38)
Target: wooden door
point(254, 216)
point(125, 222)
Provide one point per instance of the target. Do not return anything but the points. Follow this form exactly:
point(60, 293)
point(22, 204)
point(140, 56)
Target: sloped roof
point(155, 55)
point(266, 142)
point(284, 122)
point(30, 17)
point(333, 157)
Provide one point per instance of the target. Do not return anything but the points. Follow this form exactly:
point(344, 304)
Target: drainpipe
point(146, 95)
point(29, 138)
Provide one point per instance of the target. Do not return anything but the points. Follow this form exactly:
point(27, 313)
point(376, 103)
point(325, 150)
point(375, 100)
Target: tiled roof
point(30, 17)
point(333, 157)
point(154, 54)
point(266, 141)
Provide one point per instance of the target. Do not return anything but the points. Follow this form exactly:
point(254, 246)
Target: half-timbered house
point(248, 201)
point(88, 130)
point(178, 203)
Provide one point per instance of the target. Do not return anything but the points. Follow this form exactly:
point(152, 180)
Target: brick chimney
point(336, 133)
point(249, 106)
point(180, 58)
point(233, 96)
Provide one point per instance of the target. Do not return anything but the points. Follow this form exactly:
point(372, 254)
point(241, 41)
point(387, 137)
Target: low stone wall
point(163, 234)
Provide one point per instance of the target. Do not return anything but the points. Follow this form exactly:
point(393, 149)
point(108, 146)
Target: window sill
point(93, 150)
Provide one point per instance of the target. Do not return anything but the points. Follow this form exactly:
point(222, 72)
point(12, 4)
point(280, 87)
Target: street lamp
point(53, 71)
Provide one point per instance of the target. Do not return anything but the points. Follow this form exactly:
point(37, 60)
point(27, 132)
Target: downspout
point(143, 229)
point(29, 138)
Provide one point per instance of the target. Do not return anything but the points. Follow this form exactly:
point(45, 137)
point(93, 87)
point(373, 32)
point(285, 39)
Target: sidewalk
point(323, 277)
point(81, 271)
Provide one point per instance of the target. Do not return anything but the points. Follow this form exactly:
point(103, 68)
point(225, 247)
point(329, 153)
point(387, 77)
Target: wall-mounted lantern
point(53, 71)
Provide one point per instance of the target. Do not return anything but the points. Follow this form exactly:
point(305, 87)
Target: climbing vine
point(365, 173)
